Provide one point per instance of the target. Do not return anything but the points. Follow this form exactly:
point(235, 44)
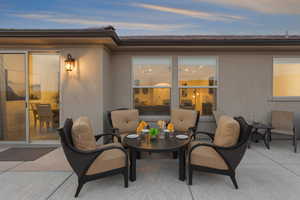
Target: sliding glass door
point(29, 96)
point(44, 70)
point(12, 96)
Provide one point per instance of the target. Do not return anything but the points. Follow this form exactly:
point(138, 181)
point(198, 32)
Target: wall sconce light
point(69, 63)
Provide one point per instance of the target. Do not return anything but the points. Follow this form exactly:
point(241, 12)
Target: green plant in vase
point(153, 132)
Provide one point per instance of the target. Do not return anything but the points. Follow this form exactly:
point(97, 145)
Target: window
point(286, 77)
point(198, 83)
point(152, 85)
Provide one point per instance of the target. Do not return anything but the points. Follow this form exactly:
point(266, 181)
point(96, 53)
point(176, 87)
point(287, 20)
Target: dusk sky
point(156, 17)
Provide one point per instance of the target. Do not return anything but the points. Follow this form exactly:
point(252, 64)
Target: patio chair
point(123, 121)
point(283, 123)
point(34, 112)
point(184, 121)
point(45, 114)
point(89, 160)
point(225, 153)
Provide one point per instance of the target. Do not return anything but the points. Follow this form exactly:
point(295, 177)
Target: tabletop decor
point(161, 124)
point(142, 125)
point(153, 132)
point(170, 127)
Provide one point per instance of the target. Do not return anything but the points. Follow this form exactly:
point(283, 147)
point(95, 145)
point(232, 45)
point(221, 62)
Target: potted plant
point(153, 132)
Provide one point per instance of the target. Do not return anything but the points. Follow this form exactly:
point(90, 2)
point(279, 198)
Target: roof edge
point(108, 31)
point(155, 40)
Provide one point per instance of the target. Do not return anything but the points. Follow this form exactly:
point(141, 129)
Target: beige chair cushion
point(108, 160)
point(183, 119)
point(207, 157)
point(227, 133)
point(82, 134)
point(282, 120)
point(125, 120)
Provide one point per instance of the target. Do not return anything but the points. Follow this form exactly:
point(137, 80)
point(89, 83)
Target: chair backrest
point(125, 120)
point(282, 120)
point(33, 107)
point(238, 151)
point(245, 131)
point(73, 155)
point(109, 116)
point(184, 119)
point(65, 133)
point(44, 110)
point(227, 133)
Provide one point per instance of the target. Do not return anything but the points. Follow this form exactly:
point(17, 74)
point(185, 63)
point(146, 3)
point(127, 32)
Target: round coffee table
point(168, 144)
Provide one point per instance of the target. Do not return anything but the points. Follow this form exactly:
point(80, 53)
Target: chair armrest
point(114, 130)
point(211, 135)
point(97, 137)
point(231, 155)
point(192, 129)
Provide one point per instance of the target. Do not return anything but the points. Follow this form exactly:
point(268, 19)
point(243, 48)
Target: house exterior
point(238, 75)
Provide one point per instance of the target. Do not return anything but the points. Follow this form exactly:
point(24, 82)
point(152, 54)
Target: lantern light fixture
point(69, 63)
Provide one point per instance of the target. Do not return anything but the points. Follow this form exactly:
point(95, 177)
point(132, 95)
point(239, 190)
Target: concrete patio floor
point(263, 174)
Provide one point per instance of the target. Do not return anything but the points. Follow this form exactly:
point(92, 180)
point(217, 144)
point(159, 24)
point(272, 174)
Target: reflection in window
point(152, 101)
point(152, 85)
point(152, 71)
point(198, 83)
point(200, 99)
point(286, 77)
point(44, 72)
point(12, 97)
point(197, 71)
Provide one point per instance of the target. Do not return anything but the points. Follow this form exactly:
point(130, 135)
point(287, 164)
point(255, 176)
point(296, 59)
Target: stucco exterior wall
point(102, 81)
point(106, 84)
point(245, 82)
point(81, 92)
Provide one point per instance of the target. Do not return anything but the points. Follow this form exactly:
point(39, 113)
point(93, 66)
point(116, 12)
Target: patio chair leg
point(125, 174)
point(295, 143)
point(190, 175)
point(80, 184)
point(234, 181)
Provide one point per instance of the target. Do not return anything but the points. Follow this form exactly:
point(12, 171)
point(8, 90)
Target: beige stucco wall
point(81, 92)
point(102, 81)
point(106, 84)
point(245, 79)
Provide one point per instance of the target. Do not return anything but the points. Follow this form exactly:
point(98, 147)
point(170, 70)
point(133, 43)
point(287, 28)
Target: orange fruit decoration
point(170, 127)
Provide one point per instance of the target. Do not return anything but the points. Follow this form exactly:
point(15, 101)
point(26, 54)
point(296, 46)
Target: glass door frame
point(26, 53)
point(42, 52)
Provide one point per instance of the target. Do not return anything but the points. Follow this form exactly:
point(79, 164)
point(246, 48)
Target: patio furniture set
point(122, 146)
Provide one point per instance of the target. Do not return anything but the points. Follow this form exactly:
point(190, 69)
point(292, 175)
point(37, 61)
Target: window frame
point(151, 87)
point(174, 84)
point(199, 87)
point(282, 98)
